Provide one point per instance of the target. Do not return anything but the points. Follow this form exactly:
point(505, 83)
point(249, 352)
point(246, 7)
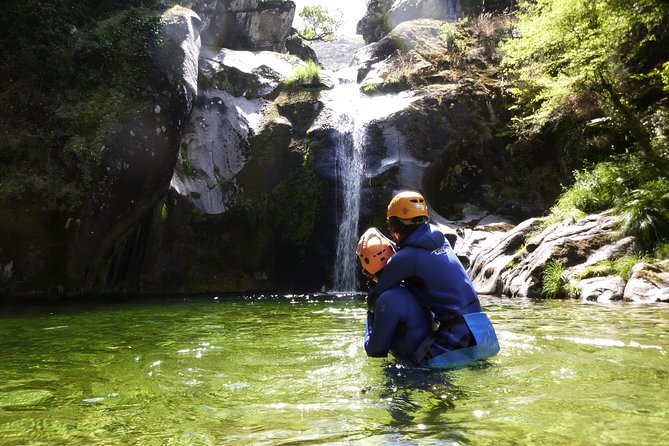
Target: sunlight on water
point(292, 370)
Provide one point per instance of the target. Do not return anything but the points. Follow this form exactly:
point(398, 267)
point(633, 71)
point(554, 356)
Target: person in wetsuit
point(397, 322)
point(428, 267)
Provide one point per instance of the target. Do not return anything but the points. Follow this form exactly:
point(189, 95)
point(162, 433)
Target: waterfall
point(351, 113)
point(349, 168)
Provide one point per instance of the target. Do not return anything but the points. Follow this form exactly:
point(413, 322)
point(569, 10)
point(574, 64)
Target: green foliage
point(564, 49)
point(371, 88)
point(187, 166)
point(74, 71)
point(555, 283)
point(304, 72)
point(520, 253)
point(453, 39)
point(164, 213)
point(661, 251)
point(290, 210)
point(594, 189)
point(621, 266)
point(636, 188)
point(320, 23)
point(646, 215)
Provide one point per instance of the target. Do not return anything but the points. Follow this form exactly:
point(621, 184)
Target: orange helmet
point(374, 250)
point(407, 205)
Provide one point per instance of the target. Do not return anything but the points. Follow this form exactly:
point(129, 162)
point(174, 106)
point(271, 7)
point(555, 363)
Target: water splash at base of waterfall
point(352, 111)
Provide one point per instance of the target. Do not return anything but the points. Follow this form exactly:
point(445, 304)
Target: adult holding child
point(427, 266)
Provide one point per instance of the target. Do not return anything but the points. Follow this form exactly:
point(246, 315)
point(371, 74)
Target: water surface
point(292, 370)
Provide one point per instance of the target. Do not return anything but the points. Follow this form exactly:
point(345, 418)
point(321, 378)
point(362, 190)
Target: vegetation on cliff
point(70, 72)
point(603, 67)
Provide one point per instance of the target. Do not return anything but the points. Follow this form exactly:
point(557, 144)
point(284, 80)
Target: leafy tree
point(609, 55)
point(319, 23)
point(566, 49)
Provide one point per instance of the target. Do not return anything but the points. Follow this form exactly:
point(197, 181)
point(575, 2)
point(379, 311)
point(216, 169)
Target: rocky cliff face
point(251, 25)
point(246, 153)
point(251, 160)
point(383, 16)
point(229, 181)
point(139, 160)
point(242, 200)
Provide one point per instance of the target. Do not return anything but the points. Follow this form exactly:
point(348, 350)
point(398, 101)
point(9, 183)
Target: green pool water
point(285, 370)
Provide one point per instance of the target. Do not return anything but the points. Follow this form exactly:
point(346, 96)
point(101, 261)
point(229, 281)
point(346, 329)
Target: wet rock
point(140, 159)
point(254, 25)
point(602, 289)
point(648, 283)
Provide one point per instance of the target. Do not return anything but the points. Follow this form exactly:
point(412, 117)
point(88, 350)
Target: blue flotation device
point(486, 346)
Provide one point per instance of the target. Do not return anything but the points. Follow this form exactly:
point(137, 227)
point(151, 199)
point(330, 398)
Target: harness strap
point(423, 348)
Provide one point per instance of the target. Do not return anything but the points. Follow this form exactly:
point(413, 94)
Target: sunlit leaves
point(564, 47)
point(320, 23)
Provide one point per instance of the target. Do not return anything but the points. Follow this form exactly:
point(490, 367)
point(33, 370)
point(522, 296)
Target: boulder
point(602, 289)
point(648, 283)
point(382, 16)
point(497, 255)
point(568, 242)
point(514, 265)
point(252, 74)
point(251, 25)
point(139, 160)
point(402, 51)
point(407, 10)
point(372, 26)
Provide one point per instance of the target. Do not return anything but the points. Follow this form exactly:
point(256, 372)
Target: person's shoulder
point(427, 237)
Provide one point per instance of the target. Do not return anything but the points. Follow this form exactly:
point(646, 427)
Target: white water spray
point(351, 113)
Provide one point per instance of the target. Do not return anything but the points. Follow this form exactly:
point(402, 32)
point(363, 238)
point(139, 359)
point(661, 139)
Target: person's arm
point(399, 267)
point(380, 328)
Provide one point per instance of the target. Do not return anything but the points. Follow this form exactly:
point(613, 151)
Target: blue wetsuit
point(431, 270)
point(399, 324)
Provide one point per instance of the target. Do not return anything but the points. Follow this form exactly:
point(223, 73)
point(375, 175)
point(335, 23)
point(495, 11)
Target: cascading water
point(352, 111)
point(349, 168)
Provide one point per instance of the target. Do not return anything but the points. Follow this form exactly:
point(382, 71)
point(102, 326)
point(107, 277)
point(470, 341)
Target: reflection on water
point(292, 370)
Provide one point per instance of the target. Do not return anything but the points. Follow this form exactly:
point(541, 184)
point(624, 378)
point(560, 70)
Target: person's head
point(406, 212)
point(373, 251)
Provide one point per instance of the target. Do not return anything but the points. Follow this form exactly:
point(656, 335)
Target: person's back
point(427, 265)
point(399, 324)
